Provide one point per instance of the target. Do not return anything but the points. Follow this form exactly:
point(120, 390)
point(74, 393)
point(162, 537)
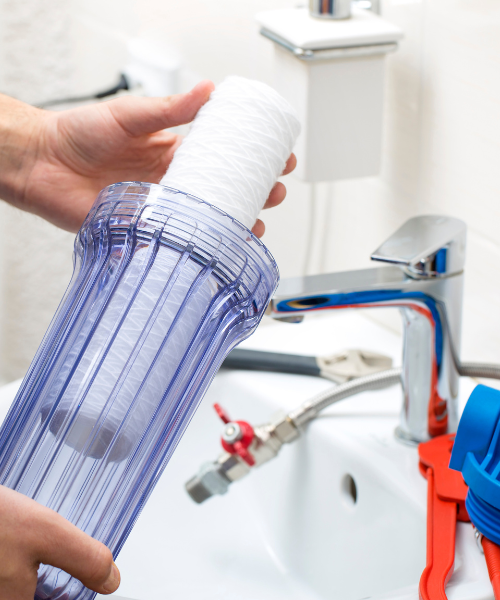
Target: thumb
point(139, 116)
point(62, 545)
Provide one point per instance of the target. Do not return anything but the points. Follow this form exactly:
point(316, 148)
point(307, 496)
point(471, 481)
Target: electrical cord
point(123, 84)
point(378, 381)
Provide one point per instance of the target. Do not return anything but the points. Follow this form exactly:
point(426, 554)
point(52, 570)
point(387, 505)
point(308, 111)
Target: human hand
point(31, 534)
point(64, 159)
point(276, 196)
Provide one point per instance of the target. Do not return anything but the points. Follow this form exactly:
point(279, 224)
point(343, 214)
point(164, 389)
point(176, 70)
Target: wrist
point(21, 136)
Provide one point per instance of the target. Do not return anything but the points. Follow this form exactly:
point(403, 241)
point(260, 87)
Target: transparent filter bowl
point(164, 286)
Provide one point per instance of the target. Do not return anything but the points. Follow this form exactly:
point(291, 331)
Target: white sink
point(292, 529)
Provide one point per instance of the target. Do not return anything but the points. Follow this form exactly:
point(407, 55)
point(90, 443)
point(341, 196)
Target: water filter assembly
point(165, 284)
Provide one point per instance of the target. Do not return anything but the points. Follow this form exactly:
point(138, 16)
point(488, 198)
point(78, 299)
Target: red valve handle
point(243, 453)
point(240, 447)
point(224, 417)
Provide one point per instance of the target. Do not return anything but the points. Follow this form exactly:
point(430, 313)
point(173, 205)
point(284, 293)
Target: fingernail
point(113, 581)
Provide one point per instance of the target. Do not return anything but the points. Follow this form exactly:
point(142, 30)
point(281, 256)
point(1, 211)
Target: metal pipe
point(330, 9)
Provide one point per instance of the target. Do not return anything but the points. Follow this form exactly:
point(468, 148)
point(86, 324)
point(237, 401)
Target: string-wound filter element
point(164, 286)
point(236, 149)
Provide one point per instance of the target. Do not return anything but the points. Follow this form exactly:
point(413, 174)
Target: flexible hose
point(483, 370)
point(310, 409)
point(378, 381)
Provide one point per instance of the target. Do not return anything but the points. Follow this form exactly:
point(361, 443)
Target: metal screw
point(232, 433)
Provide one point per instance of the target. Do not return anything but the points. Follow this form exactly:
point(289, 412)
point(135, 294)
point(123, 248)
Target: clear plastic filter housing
point(164, 286)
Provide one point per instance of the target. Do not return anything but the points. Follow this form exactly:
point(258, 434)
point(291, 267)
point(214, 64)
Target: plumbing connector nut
point(232, 466)
point(283, 428)
point(209, 481)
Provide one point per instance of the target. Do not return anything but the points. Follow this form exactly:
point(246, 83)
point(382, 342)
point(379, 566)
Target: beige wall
point(35, 257)
point(441, 142)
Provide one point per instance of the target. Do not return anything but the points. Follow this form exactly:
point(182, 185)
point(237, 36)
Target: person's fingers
point(277, 195)
point(56, 542)
point(259, 228)
point(139, 116)
point(291, 163)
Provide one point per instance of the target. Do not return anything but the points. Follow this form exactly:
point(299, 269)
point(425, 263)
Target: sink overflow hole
point(349, 489)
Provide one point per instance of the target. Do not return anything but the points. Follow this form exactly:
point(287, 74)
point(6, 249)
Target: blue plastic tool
point(476, 453)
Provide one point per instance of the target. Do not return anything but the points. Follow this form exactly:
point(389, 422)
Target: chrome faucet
point(425, 281)
point(340, 9)
point(330, 9)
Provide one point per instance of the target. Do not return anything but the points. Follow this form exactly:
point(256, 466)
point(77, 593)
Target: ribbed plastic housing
point(164, 286)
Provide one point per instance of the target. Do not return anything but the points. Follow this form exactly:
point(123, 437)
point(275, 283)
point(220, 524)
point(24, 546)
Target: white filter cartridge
point(236, 149)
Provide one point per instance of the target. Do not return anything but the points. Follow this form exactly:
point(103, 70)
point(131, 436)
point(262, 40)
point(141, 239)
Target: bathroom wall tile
point(35, 257)
point(481, 327)
point(112, 15)
point(441, 154)
point(461, 115)
point(35, 49)
point(215, 37)
point(91, 40)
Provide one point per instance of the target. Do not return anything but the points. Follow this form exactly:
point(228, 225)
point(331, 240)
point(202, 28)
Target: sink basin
point(339, 514)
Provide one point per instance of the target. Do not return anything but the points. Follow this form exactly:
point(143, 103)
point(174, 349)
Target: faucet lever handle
point(426, 246)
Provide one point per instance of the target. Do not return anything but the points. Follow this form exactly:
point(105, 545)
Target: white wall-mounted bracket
point(329, 53)
point(332, 72)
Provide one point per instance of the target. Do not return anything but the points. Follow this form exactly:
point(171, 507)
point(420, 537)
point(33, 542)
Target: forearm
point(21, 130)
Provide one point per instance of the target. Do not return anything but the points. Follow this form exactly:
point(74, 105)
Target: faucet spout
point(427, 288)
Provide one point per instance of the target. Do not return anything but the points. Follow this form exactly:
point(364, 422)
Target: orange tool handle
point(492, 556)
point(441, 526)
